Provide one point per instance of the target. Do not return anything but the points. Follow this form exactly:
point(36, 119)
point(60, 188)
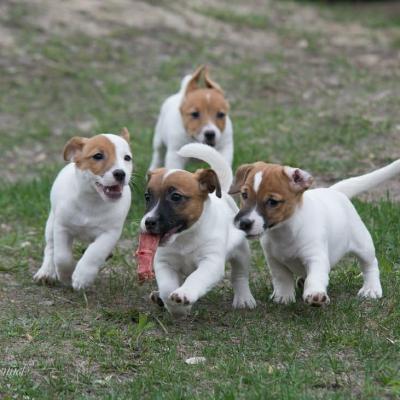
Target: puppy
point(192, 215)
point(194, 114)
point(90, 199)
point(305, 233)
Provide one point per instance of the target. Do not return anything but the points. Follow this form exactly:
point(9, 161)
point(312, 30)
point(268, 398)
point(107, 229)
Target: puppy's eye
point(127, 158)
point(98, 156)
point(220, 115)
point(245, 196)
point(195, 115)
point(272, 203)
point(147, 197)
point(176, 197)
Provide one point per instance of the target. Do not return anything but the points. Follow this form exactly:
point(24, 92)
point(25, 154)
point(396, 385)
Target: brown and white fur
point(306, 232)
point(194, 114)
point(193, 214)
point(90, 199)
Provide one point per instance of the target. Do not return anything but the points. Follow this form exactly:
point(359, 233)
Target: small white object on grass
point(195, 360)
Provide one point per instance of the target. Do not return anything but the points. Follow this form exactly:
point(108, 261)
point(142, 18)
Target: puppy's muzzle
point(245, 224)
point(119, 175)
point(209, 137)
point(152, 225)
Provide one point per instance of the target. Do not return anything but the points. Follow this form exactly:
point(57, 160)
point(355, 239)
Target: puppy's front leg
point(173, 160)
point(316, 283)
point(240, 263)
point(93, 259)
point(63, 257)
point(209, 272)
point(282, 282)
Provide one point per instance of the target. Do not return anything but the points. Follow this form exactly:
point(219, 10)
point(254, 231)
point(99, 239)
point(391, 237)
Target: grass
point(313, 104)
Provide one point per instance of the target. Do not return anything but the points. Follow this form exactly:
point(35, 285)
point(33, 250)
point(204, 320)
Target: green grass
point(313, 106)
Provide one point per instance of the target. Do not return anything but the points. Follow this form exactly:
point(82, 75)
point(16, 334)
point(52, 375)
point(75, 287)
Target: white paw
point(316, 299)
point(244, 301)
point(372, 292)
point(181, 297)
point(45, 275)
point(82, 280)
point(283, 298)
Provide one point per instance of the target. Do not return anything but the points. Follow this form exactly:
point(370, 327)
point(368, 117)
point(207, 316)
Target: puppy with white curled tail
point(191, 217)
point(194, 114)
point(90, 199)
point(306, 232)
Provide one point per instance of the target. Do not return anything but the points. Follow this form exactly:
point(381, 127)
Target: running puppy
point(305, 233)
point(90, 199)
point(191, 215)
point(194, 114)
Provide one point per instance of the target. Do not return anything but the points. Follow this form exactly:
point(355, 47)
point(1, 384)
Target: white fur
point(193, 261)
point(323, 228)
point(257, 181)
point(79, 211)
point(170, 134)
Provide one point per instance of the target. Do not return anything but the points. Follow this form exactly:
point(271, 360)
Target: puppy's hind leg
point(364, 250)
point(63, 257)
point(47, 272)
point(240, 262)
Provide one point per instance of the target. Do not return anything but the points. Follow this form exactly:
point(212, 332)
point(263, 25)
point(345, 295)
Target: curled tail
point(353, 186)
point(211, 156)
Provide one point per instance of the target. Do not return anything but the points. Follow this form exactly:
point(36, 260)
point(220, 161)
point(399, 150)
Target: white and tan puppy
point(305, 233)
point(194, 114)
point(90, 200)
point(192, 215)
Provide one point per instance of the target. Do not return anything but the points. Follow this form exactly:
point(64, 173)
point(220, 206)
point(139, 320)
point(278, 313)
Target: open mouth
point(166, 236)
point(113, 192)
point(210, 143)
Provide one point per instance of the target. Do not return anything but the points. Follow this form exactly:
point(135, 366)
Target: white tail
point(353, 186)
point(211, 156)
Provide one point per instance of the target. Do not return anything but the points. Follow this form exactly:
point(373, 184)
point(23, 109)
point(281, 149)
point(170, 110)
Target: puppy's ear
point(73, 147)
point(210, 83)
point(154, 173)
point(193, 84)
point(240, 177)
point(299, 180)
point(208, 181)
point(125, 134)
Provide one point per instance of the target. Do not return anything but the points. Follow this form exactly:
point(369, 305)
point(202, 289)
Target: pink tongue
point(145, 255)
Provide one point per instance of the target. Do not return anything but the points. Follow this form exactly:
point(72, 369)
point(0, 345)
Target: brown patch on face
point(179, 196)
point(201, 106)
point(276, 198)
point(96, 154)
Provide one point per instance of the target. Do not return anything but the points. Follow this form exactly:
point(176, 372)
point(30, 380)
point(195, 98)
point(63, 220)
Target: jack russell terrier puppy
point(305, 233)
point(192, 216)
point(90, 200)
point(194, 114)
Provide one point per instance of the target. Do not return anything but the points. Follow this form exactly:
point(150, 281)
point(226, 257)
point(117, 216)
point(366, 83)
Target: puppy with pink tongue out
point(189, 226)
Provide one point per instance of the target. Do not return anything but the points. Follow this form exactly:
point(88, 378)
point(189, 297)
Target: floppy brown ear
point(210, 83)
point(240, 177)
point(73, 147)
point(194, 80)
point(299, 180)
point(208, 181)
point(125, 134)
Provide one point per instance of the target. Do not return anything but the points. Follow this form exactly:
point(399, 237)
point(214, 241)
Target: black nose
point(209, 135)
point(119, 175)
point(150, 223)
point(245, 224)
